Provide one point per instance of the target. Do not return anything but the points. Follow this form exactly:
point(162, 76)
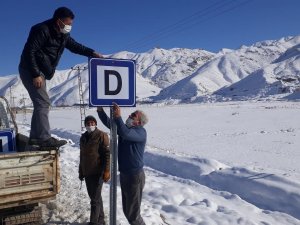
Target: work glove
point(106, 176)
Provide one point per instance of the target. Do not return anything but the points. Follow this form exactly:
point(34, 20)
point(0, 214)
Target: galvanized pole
point(114, 158)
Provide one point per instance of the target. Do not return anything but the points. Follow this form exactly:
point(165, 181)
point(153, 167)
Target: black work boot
point(33, 141)
point(52, 142)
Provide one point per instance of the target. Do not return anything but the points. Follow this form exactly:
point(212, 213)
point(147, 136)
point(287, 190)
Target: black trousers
point(94, 187)
point(132, 188)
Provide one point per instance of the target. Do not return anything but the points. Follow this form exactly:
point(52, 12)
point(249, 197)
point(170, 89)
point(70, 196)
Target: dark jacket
point(94, 153)
point(131, 145)
point(44, 48)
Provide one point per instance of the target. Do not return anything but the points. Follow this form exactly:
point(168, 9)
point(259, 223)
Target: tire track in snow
point(266, 191)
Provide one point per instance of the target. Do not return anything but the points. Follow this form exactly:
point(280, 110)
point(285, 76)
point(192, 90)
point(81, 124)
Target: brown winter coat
point(94, 153)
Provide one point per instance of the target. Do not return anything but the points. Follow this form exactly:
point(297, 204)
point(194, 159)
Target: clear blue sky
point(139, 25)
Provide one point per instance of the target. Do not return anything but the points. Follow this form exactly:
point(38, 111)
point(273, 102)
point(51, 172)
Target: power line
point(180, 29)
point(179, 23)
point(167, 31)
point(185, 28)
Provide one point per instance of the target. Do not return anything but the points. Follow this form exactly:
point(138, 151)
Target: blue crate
point(7, 141)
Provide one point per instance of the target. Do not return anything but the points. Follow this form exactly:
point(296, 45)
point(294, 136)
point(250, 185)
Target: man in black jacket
point(42, 51)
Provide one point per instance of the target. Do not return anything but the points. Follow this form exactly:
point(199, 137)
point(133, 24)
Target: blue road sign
point(7, 141)
point(112, 80)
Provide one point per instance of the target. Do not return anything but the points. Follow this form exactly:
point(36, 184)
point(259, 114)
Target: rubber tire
point(33, 217)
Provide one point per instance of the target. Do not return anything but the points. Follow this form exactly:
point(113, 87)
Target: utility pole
point(22, 101)
point(81, 97)
point(12, 101)
point(10, 96)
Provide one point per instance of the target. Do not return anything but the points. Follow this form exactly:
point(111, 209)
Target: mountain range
point(265, 70)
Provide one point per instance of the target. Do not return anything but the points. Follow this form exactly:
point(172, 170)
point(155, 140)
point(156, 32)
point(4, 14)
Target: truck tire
point(33, 217)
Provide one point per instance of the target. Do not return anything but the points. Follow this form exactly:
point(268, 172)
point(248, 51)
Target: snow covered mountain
point(166, 67)
point(268, 69)
point(248, 72)
point(156, 69)
point(282, 77)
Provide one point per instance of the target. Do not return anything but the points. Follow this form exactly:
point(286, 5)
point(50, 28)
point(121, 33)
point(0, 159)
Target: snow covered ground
point(219, 163)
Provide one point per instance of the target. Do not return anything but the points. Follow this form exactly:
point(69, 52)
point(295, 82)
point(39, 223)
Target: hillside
point(250, 71)
point(268, 69)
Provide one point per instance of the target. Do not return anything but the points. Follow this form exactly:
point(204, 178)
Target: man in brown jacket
point(94, 166)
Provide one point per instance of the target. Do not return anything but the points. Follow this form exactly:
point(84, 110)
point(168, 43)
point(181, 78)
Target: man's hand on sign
point(117, 110)
point(97, 55)
point(99, 109)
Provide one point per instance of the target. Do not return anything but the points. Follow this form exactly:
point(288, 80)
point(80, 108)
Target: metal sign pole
point(103, 91)
point(113, 184)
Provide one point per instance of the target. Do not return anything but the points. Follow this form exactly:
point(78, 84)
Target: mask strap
point(62, 22)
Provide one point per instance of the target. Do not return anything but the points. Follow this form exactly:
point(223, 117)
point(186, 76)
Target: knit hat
point(89, 118)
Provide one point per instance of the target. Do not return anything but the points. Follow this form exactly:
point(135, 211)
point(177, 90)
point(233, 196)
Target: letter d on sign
point(107, 74)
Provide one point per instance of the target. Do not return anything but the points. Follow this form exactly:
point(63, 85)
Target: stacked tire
point(33, 217)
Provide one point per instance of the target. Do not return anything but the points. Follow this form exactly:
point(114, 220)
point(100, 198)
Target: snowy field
point(219, 163)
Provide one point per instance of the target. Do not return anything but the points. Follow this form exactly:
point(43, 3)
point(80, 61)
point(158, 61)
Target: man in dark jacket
point(131, 146)
point(42, 51)
point(94, 166)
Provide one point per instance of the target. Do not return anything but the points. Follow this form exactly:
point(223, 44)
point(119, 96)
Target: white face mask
point(90, 129)
point(66, 29)
point(129, 122)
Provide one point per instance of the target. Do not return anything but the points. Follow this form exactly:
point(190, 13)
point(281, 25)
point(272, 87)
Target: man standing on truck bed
point(42, 51)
